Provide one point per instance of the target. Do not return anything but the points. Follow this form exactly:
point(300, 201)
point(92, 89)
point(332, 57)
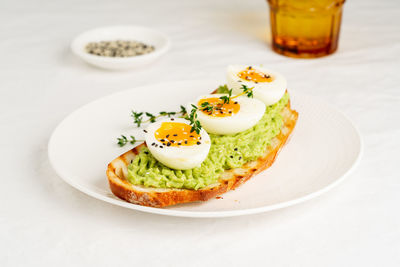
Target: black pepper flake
point(235, 103)
point(162, 140)
point(145, 131)
point(231, 156)
point(161, 146)
point(198, 143)
point(168, 144)
point(230, 111)
point(172, 141)
point(200, 138)
point(191, 135)
point(250, 67)
point(179, 144)
point(153, 144)
point(240, 158)
point(167, 136)
point(146, 152)
point(236, 149)
point(175, 135)
point(185, 142)
point(118, 48)
point(172, 119)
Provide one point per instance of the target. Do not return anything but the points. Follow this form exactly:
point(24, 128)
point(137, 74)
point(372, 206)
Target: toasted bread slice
point(117, 172)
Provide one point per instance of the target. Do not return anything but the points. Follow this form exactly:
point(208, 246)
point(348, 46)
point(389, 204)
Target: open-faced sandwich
point(219, 142)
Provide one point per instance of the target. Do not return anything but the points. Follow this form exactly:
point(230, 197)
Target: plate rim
point(199, 214)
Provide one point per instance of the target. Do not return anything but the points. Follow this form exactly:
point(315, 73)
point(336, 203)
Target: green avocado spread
point(226, 152)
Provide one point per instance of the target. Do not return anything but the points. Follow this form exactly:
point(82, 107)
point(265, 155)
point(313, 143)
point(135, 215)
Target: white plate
point(136, 33)
point(324, 148)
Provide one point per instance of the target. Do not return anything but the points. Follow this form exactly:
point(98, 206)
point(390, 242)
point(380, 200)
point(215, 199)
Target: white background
point(45, 222)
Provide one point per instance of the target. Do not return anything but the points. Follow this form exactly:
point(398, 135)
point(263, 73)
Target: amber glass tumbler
point(305, 28)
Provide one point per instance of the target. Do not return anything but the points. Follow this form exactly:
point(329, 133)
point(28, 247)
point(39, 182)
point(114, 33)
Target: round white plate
point(323, 149)
point(126, 32)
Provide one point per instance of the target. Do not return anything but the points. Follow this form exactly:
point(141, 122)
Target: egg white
point(181, 157)
point(250, 112)
point(268, 92)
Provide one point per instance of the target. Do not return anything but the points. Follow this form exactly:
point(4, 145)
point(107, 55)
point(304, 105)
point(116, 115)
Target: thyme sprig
point(227, 98)
point(248, 91)
point(194, 122)
point(138, 117)
point(123, 140)
point(183, 110)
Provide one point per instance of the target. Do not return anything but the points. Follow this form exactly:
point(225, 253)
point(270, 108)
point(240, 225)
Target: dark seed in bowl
point(118, 48)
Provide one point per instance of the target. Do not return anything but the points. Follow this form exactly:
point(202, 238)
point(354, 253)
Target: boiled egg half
point(240, 114)
point(268, 86)
point(172, 143)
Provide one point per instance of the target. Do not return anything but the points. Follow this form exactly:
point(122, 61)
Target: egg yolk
point(252, 75)
point(177, 134)
point(219, 108)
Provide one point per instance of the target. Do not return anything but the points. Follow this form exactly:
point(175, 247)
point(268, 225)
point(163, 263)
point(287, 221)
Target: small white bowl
point(136, 33)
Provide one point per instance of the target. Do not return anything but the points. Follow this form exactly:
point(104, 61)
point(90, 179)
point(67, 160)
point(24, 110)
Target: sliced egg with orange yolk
point(173, 144)
point(268, 86)
point(220, 117)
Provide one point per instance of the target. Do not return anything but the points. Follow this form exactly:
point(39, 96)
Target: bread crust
point(230, 179)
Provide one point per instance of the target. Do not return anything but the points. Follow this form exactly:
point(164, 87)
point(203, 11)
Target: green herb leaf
point(196, 125)
point(152, 118)
point(183, 110)
point(122, 140)
point(225, 98)
point(149, 115)
point(133, 140)
point(137, 117)
point(169, 114)
point(248, 91)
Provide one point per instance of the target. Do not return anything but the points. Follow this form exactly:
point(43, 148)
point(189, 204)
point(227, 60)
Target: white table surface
point(46, 222)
